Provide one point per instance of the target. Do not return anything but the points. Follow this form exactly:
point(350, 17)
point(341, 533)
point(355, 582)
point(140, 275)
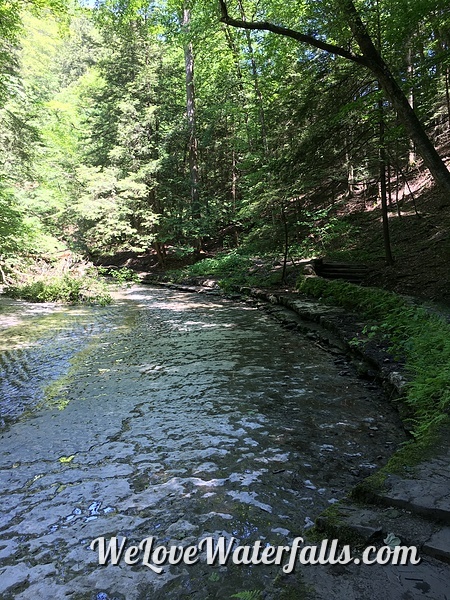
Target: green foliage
point(120, 276)
point(418, 337)
point(248, 595)
point(373, 302)
point(13, 231)
point(110, 212)
point(322, 234)
point(233, 270)
point(66, 288)
point(223, 265)
point(94, 135)
point(230, 269)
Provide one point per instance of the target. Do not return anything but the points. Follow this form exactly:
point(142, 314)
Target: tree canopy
point(135, 125)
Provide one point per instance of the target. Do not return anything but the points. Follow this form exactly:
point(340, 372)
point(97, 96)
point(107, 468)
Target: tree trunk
point(286, 243)
point(191, 118)
point(447, 92)
point(410, 71)
point(383, 188)
point(159, 248)
point(371, 59)
point(258, 93)
point(234, 180)
point(241, 95)
point(396, 96)
point(350, 168)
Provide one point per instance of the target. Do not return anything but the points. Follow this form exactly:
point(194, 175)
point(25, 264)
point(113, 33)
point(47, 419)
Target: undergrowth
point(230, 269)
point(421, 339)
point(122, 276)
point(67, 288)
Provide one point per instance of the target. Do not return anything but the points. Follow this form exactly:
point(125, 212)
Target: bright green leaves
point(95, 137)
point(111, 212)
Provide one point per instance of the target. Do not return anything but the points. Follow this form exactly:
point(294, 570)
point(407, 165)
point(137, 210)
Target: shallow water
point(175, 416)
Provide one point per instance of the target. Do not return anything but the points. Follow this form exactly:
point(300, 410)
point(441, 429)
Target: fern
point(248, 595)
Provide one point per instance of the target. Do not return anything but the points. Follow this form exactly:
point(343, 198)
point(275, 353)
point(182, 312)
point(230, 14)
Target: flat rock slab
point(375, 523)
point(439, 545)
point(363, 522)
point(426, 581)
point(427, 494)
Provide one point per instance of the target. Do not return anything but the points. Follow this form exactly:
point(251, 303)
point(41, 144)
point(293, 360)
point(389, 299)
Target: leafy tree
point(370, 58)
point(112, 141)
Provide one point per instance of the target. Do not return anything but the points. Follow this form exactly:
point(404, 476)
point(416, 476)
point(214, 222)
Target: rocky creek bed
point(181, 416)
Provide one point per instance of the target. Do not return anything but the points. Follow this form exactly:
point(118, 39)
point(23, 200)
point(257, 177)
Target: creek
point(177, 416)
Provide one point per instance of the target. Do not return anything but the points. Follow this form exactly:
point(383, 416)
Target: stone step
point(421, 497)
point(427, 494)
point(367, 525)
point(354, 273)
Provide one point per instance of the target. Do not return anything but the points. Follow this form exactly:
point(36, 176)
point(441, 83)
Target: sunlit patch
point(249, 498)
point(207, 483)
point(245, 479)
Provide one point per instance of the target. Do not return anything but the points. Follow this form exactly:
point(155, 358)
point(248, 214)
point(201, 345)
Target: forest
point(177, 365)
point(165, 131)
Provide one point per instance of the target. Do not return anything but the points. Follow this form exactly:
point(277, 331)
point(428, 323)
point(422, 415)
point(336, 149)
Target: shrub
point(230, 268)
point(121, 276)
point(63, 288)
point(233, 270)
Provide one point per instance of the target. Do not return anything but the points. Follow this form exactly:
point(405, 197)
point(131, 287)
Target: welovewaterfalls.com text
point(220, 551)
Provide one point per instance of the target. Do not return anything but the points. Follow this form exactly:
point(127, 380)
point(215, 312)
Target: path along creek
point(176, 416)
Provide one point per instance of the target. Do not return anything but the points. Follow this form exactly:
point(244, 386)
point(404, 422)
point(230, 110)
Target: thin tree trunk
point(191, 117)
point(286, 243)
point(258, 93)
point(389, 187)
point(160, 253)
point(411, 193)
point(234, 180)
point(350, 169)
point(235, 54)
point(383, 161)
point(410, 70)
point(447, 92)
point(383, 187)
point(399, 214)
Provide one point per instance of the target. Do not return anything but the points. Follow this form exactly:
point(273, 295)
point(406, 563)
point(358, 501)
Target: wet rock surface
point(181, 417)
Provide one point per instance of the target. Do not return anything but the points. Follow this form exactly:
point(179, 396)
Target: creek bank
point(414, 505)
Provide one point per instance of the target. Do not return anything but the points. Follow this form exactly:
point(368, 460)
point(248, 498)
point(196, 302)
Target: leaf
point(67, 459)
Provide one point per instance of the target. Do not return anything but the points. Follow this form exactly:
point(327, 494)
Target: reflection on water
point(37, 342)
point(184, 418)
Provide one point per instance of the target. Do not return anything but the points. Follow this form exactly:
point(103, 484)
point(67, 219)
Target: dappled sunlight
point(176, 302)
point(194, 325)
point(218, 420)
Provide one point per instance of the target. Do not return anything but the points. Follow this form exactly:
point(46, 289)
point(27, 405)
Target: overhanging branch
point(286, 32)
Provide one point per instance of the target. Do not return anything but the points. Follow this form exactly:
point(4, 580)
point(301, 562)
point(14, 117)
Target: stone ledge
point(438, 545)
point(366, 525)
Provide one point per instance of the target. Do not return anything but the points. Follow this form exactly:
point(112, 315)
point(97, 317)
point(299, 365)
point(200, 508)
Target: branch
point(296, 35)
